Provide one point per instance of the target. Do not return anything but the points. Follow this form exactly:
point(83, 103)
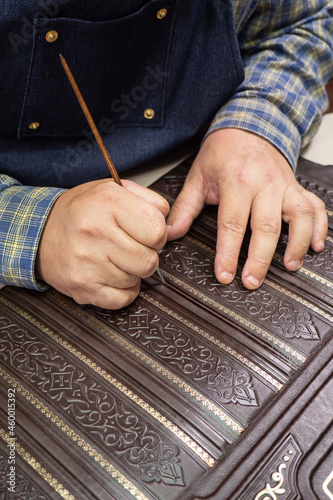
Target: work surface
point(196, 390)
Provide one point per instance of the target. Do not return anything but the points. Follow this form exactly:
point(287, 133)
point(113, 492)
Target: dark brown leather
point(196, 390)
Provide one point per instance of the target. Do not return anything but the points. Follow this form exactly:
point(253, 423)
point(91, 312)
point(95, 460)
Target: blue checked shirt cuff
point(262, 118)
point(24, 210)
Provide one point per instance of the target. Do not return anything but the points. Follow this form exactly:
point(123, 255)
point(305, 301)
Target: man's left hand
point(249, 178)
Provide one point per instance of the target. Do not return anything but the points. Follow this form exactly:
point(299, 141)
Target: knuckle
point(80, 296)
point(269, 226)
point(123, 299)
point(83, 227)
point(116, 299)
point(148, 263)
point(228, 258)
point(157, 230)
point(79, 287)
point(164, 206)
point(103, 194)
point(320, 204)
point(74, 282)
point(305, 210)
point(260, 263)
point(79, 255)
point(233, 225)
point(131, 281)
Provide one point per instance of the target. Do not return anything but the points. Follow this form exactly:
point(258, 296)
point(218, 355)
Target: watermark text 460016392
point(11, 475)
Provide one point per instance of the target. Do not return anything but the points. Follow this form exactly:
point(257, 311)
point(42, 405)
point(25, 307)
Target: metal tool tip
point(158, 270)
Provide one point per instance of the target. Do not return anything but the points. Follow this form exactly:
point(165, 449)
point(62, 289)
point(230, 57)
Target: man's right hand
point(100, 239)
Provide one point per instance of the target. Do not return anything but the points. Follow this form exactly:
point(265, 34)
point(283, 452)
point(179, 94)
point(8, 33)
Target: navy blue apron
point(153, 74)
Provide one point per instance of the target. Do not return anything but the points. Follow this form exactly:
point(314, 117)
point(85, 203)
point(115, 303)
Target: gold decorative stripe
point(200, 244)
point(47, 476)
point(259, 371)
point(307, 272)
point(299, 299)
point(76, 438)
point(329, 213)
point(157, 367)
point(174, 429)
point(329, 238)
point(316, 277)
point(239, 319)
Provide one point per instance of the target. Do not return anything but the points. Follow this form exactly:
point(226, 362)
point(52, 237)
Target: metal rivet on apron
point(149, 113)
point(51, 36)
point(161, 14)
point(34, 125)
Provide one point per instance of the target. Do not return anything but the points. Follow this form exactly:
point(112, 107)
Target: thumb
point(186, 208)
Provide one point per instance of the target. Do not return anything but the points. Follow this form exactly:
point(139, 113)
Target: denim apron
point(152, 72)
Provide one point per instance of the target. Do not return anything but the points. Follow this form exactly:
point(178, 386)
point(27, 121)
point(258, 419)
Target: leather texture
point(196, 390)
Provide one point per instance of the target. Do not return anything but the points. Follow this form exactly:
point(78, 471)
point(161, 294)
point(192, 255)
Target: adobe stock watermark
point(122, 106)
point(47, 10)
point(11, 444)
point(152, 79)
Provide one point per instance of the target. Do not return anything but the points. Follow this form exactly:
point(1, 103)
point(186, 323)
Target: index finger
point(149, 195)
point(140, 219)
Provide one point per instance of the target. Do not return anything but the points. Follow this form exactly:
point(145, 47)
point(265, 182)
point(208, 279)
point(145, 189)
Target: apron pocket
point(120, 66)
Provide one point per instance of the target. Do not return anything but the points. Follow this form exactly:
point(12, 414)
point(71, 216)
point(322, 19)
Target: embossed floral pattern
point(87, 403)
point(161, 464)
point(323, 260)
point(226, 381)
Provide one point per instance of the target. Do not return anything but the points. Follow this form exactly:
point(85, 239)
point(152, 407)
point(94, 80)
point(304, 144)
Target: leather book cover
point(196, 390)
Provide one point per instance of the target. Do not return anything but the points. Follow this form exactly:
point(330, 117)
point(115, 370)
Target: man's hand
point(248, 177)
point(100, 239)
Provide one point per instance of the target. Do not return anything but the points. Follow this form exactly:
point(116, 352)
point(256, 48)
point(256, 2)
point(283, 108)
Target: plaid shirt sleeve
point(23, 211)
point(287, 51)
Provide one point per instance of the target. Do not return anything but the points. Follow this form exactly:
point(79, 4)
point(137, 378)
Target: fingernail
point(322, 244)
point(295, 264)
point(253, 281)
point(228, 277)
